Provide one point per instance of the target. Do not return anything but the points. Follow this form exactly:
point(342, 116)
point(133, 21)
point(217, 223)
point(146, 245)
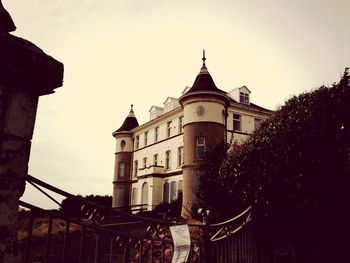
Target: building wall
point(210, 124)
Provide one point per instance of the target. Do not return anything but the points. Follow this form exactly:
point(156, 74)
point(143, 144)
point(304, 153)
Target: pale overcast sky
point(122, 52)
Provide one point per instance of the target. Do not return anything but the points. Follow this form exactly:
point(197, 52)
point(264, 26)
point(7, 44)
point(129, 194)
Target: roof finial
point(131, 112)
point(203, 58)
point(204, 69)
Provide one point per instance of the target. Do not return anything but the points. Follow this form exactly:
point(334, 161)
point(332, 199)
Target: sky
point(122, 52)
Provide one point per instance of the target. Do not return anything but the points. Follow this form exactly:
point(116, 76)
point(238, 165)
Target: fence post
point(206, 255)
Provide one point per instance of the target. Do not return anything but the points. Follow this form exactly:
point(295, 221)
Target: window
point(137, 143)
point(155, 159)
point(120, 197)
point(168, 106)
point(180, 152)
point(144, 162)
point(153, 115)
point(257, 123)
point(173, 193)
point(167, 160)
point(168, 129)
point(144, 195)
point(166, 196)
point(236, 122)
point(134, 196)
point(244, 97)
point(121, 169)
point(156, 129)
point(136, 168)
point(180, 187)
point(200, 147)
point(181, 120)
point(122, 144)
point(146, 138)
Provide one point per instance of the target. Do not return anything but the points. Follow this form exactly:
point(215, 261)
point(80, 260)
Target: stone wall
point(26, 73)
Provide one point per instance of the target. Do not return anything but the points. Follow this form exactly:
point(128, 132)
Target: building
point(156, 161)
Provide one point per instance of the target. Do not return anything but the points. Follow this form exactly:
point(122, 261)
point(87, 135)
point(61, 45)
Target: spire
point(131, 112)
point(129, 123)
point(204, 69)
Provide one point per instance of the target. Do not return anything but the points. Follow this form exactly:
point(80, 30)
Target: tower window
point(200, 147)
point(122, 144)
point(155, 159)
point(236, 122)
point(244, 97)
point(180, 153)
point(136, 164)
point(137, 143)
point(121, 169)
point(146, 138)
point(181, 119)
point(168, 129)
point(167, 160)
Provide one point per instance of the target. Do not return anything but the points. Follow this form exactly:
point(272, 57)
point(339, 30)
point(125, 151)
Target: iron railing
point(102, 234)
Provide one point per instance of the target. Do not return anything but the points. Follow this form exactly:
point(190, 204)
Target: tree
point(72, 207)
point(295, 169)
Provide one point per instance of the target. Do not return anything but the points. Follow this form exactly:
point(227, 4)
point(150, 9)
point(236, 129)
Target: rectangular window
point(137, 142)
point(134, 196)
point(166, 196)
point(180, 153)
point(155, 159)
point(156, 129)
point(244, 97)
point(168, 129)
point(200, 147)
point(121, 169)
point(257, 123)
point(181, 120)
point(236, 122)
point(136, 167)
point(180, 187)
point(167, 160)
point(144, 162)
point(146, 138)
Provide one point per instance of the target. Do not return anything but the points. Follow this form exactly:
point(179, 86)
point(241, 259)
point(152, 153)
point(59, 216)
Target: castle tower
point(123, 161)
point(205, 110)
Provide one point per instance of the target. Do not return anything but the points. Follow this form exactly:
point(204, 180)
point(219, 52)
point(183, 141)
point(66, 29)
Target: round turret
point(205, 109)
point(123, 161)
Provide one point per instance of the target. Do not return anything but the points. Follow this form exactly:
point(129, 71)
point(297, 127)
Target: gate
point(102, 234)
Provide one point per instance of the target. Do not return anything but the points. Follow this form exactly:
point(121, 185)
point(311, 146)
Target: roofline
point(159, 118)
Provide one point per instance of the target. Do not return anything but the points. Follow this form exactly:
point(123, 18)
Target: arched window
point(121, 169)
point(144, 195)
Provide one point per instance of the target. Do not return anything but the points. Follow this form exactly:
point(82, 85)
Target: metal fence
point(102, 234)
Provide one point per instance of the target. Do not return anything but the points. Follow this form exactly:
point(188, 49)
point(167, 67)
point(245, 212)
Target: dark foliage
point(295, 169)
point(72, 207)
point(166, 210)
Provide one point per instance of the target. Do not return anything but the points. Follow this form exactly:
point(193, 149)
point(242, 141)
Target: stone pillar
point(17, 118)
point(26, 73)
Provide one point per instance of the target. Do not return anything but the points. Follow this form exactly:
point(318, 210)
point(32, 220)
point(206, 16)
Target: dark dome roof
point(203, 82)
point(129, 123)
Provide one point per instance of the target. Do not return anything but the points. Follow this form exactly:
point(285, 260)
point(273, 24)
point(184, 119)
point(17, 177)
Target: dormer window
point(244, 98)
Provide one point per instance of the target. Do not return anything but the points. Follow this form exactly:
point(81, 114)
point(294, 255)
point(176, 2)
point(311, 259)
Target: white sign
point(182, 243)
